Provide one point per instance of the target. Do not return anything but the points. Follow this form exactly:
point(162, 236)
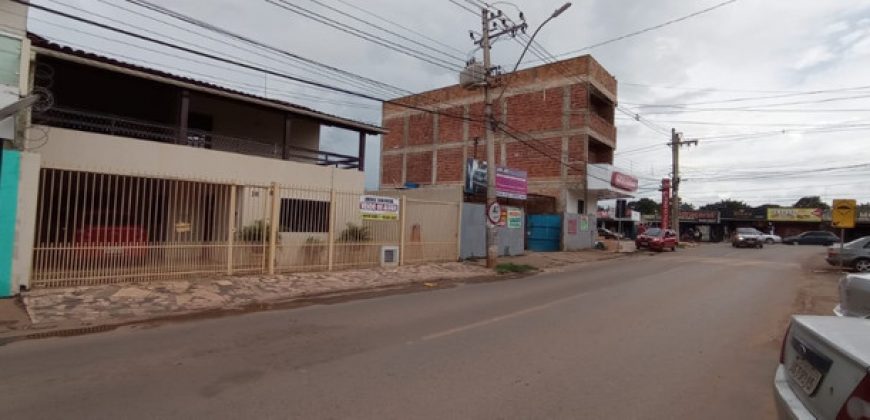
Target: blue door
point(544, 232)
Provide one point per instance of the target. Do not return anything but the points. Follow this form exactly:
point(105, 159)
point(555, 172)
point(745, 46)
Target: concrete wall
point(28, 187)
point(84, 151)
point(582, 239)
point(510, 241)
point(13, 19)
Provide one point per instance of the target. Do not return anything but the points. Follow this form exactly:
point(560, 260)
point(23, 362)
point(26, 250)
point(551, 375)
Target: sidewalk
point(561, 261)
point(75, 307)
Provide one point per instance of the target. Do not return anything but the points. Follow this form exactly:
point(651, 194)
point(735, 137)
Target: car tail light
point(782, 346)
point(857, 406)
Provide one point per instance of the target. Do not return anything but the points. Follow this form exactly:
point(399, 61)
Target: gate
point(544, 232)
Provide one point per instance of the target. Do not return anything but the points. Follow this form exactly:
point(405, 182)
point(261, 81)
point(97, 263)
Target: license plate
point(805, 375)
point(643, 244)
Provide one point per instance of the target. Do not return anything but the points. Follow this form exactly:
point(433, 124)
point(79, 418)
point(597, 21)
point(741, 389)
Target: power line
point(317, 17)
point(757, 98)
point(343, 13)
point(648, 29)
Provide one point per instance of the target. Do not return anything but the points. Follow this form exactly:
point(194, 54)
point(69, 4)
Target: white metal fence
point(95, 228)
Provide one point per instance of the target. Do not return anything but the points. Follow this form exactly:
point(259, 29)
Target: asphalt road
point(691, 334)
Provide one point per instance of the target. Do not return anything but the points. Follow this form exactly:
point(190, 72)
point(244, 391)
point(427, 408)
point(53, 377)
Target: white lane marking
point(500, 318)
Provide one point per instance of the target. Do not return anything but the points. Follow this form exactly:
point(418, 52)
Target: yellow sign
point(790, 214)
point(843, 214)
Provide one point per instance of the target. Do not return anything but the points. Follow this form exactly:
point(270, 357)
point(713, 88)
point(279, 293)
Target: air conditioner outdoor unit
point(389, 256)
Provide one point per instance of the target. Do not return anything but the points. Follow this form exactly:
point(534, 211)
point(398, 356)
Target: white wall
point(84, 151)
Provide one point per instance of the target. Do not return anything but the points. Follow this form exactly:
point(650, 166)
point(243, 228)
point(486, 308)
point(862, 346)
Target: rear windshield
point(748, 231)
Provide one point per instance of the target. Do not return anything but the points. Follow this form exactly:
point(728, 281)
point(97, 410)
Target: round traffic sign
point(493, 212)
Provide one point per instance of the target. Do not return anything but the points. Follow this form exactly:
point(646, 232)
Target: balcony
point(143, 130)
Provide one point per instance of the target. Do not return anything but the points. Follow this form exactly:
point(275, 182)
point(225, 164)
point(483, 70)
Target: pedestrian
point(698, 235)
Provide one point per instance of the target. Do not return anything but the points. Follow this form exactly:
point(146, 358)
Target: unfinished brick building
point(567, 108)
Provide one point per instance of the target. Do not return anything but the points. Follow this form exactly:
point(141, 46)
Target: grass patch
point(505, 268)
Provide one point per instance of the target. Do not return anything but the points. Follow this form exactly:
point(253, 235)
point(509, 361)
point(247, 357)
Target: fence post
point(402, 212)
point(331, 238)
point(273, 227)
point(231, 229)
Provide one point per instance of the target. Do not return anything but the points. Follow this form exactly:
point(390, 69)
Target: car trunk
point(825, 359)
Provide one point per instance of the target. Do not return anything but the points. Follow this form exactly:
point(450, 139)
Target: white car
point(824, 369)
point(854, 296)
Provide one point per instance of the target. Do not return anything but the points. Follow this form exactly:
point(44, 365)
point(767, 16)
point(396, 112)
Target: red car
point(657, 239)
point(108, 237)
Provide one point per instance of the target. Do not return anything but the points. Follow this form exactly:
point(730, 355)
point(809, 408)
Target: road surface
point(691, 334)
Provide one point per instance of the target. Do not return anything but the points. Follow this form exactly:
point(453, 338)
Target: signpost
point(843, 216)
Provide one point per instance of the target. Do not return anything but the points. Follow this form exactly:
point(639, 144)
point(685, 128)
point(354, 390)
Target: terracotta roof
point(44, 46)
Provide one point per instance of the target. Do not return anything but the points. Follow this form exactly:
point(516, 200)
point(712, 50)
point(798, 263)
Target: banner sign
point(509, 183)
point(623, 181)
point(375, 207)
point(788, 214)
point(584, 222)
point(514, 218)
point(666, 202)
point(699, 216)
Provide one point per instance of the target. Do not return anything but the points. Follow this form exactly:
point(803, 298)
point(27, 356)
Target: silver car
point(823, 369)
point(854, 296)
point(856, 254)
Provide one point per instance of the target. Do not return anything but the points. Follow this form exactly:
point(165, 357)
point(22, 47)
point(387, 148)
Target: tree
point(687, 207)
point(727, 204)
point(644, 206)
point(811, 202)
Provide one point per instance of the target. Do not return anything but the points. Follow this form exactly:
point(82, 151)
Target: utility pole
point(493, 26)
point(491, 198)
point(677, 142)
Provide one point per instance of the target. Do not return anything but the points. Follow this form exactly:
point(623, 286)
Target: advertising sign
point(844, 214)
point(514, 218)
point(509, 183)
point(572, 226)
point(700, 216)
point(788, 214)
point(375, 207)
point(666, 202)
point(493, 213)
point(584, 222)
point(623, 181)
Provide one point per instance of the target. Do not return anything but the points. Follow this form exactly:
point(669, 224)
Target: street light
point(491, 197)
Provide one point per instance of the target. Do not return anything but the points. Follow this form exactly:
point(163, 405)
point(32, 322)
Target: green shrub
point(355, 233)
point(505, 268)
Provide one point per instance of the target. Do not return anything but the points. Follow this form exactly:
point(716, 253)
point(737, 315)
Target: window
point(10, 60)
point(298, 215)
point(581, 207)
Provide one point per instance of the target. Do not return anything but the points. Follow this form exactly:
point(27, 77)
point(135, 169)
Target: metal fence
point(95, 228)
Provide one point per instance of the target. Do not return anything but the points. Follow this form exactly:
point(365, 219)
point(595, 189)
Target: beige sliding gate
point(95, 228)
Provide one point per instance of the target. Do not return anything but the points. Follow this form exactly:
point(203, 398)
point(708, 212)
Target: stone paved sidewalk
point(121, 303)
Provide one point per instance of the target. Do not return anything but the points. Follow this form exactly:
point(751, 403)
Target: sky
point(777, 93)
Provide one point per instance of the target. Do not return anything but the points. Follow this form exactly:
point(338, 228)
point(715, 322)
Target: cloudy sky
point(776, 92)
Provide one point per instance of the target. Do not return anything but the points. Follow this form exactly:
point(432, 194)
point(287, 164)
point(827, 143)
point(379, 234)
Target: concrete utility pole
point(676, 143)
point(491, 198)
point(493, 26)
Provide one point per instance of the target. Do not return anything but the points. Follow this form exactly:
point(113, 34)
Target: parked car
point(657, 239)
point(608, 234)
point(815, 237)
point(854, 290)
point(110, 235)
point(856, 254)
point(747, 237)
point(823, 369)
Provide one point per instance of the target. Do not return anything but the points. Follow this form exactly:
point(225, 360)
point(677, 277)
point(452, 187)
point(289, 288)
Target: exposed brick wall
point(394, 139)
point(391, 170)
point(449, 128)
point(476, 112)
point(450, 165)
point(602, 127)
point(420, 129)
point(538, 165)
point(419, 168)
point(577, 156)
point(536, 111)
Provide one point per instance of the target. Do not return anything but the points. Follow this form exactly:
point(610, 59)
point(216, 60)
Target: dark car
point(813, 237)
point(747, 237)
point(657, 239)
